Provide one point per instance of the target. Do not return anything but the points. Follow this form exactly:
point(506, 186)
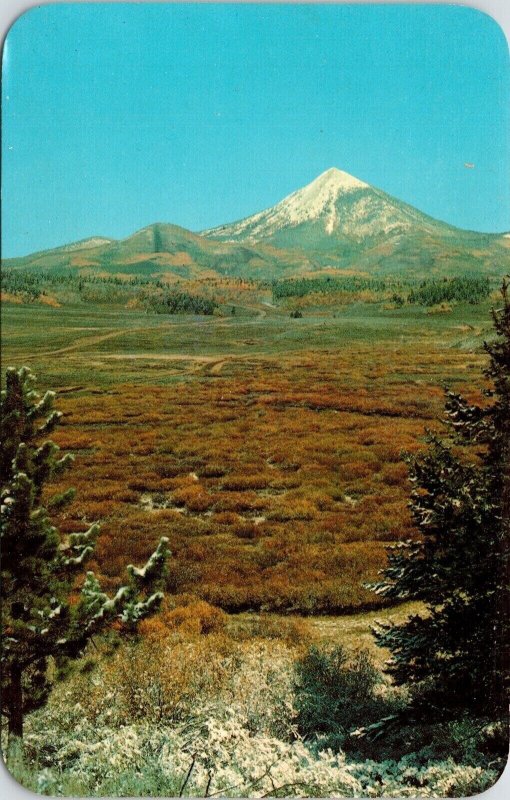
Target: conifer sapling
point(40, 567)
point(454, 655)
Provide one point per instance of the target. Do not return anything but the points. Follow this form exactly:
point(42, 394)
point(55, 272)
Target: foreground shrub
point(207, 715)
point(218, 755)
point(335, 695)
point(167, 679)
point(194, 617)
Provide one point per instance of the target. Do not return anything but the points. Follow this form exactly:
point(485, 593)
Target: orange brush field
point(269, 455)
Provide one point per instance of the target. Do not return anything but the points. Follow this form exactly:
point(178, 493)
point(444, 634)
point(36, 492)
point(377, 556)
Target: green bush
point(334, 696)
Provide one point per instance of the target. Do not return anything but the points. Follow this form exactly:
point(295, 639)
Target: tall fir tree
point(41, 617)
point(455, 655)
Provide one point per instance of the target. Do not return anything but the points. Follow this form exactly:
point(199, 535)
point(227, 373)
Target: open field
point(267, 449)
point(350, 631)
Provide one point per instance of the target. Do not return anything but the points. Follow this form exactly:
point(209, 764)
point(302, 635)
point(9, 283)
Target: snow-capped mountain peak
point(319, 197)
point(314, 201)
point(334, 210)
point(335, 179)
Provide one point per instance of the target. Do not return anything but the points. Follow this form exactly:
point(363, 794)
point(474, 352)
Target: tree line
point(152, 294)
point(178, 303)
point(299, 287)
point(463, 288)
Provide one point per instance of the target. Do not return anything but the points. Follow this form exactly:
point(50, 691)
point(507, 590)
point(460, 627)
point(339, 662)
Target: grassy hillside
point(165, 251)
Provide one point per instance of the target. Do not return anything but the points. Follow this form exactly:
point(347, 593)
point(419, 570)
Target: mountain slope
point(335, 205)
point(344, 221)
point(163, 249)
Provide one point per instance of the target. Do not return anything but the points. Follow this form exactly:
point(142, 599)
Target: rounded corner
point(21, 17)
point(493, 792)
point(490, 18)
point(8, 775)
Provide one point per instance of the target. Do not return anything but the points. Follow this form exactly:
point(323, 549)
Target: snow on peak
point(317, 200)
point(319, 197)
point(339, 179)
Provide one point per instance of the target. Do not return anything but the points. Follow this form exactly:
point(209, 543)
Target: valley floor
point(268, 449)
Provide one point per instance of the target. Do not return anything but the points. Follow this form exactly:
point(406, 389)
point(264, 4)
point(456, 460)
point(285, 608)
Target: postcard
point(256, 400)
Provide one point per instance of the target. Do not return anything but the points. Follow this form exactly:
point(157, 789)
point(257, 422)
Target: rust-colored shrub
point(280, 486)
point(195, 498)
point(197, 617)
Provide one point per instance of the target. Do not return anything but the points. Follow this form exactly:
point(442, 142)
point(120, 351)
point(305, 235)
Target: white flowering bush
point(224, 757)
point(219, 755)
point(262, 690)
point(210, 717)
point(406, 778)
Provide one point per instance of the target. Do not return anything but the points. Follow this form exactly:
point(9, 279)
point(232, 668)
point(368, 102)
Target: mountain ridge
point(337, 221)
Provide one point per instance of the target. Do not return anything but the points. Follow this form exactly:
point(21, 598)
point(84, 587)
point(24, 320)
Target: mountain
point(84, 244)
point(167, 250)
point(344, 221)
point(335, 206)
point(337, 222)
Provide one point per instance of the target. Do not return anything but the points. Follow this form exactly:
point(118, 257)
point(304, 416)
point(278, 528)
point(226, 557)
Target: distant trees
point(151, 293)
point(467, 289)
point(455, 655)
point(300, 287)
point(462, 288)
point(179, 303)
point(43, 614)
point(157, 296)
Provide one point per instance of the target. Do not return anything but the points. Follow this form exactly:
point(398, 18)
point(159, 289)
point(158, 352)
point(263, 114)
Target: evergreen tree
point(455, 655)
point(41, 616)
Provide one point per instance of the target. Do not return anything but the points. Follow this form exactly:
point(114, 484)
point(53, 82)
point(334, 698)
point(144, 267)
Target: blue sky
point(116, 116)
